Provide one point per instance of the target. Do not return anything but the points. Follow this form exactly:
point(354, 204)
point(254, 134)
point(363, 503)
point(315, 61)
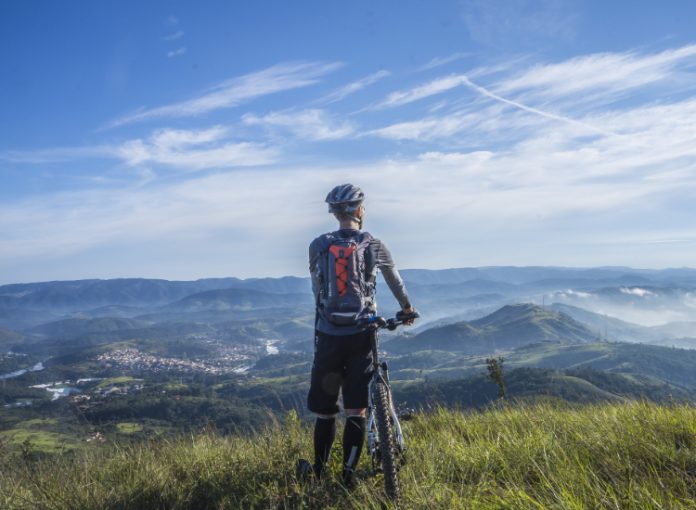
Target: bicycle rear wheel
point(387, 445)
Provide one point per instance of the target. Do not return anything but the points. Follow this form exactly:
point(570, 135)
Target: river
point(57, 390)
point(39, 366)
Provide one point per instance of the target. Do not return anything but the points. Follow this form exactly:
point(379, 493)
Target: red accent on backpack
point(341, 253)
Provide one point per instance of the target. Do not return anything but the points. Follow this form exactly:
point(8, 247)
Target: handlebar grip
point(406, 316)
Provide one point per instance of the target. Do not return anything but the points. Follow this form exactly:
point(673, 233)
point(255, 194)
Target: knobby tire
point(387, 445)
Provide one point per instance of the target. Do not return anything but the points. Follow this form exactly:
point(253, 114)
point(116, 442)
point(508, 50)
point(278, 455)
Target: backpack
point(347, 279)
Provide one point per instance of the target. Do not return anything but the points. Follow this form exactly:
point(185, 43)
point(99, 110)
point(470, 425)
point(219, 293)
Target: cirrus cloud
point(236, 91)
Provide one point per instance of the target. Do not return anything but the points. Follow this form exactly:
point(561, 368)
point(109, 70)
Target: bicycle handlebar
point(377, 322)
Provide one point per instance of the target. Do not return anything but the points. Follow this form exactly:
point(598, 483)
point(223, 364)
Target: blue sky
point(181, 140)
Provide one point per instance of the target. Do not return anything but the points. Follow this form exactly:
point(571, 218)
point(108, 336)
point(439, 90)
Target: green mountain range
point(509, 327)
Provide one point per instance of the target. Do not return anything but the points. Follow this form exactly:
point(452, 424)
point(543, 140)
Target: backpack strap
point(370, 265)
point(321, 269)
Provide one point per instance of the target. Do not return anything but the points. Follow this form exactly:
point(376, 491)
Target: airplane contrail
point(484, 91)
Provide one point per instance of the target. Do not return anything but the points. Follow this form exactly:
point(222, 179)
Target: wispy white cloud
point(173, 36)
point(442, 84)
point(456, 158)
point(597, 79)
point(351, 88)
point(605, 72)
point(310, 124)
point(434, 87)
point(194, 150)
point(424, 129)
point(187, 150)
point(483, 126)
point(171, 21)
point(441, 61)
point(238, 90)
point(176, 53)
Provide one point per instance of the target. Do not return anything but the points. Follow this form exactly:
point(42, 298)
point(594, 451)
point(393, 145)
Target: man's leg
point(355, 387)
point(324, 435)
point(353, 440)
point(322, 400)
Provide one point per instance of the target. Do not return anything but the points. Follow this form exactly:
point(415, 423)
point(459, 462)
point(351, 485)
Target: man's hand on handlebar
point(407, 315)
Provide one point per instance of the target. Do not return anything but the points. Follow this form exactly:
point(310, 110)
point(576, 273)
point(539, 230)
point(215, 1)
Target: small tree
point(495, 372)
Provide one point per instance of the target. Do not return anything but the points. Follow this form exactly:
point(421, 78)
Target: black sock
point(353, 439)
point(324, 434)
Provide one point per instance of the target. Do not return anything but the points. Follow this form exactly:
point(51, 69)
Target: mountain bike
point(385, 440)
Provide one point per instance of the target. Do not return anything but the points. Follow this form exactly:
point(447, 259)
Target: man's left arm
point(386, 265)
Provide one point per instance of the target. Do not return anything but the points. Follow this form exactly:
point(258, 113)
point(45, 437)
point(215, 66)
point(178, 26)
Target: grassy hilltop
point(630, 455)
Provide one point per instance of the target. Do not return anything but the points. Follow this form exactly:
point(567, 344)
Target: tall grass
point(634, 456)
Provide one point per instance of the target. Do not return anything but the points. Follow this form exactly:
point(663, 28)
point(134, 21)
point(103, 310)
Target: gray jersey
point(381, 258)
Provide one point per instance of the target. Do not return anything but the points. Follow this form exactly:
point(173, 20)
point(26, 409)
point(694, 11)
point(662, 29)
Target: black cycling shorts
point(340, 363)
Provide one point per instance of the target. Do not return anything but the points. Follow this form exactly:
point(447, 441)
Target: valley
point(127, 360)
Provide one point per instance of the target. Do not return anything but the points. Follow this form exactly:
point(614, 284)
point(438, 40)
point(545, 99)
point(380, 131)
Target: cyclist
point(344, 265)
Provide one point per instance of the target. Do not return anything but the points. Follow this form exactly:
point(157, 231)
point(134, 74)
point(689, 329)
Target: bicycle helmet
point(345, 199)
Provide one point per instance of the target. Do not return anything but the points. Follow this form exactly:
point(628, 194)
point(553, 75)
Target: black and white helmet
point(345, 198)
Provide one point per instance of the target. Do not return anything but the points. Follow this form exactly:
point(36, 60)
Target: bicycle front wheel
point(387, 446)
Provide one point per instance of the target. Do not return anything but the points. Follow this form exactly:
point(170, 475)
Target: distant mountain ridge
point(127, 289)
point(509, 327)
point(235, 298)
point(443, 297)
point(76, 327)
point(82, 294)
point(522, 275)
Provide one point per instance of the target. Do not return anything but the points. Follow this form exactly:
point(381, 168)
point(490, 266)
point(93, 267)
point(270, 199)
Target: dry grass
point(633, 456)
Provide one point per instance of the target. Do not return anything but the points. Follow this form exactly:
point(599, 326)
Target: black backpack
point(347, 279)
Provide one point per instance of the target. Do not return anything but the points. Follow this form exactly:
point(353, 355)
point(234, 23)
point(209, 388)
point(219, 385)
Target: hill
point(507, 328)
point(679, 333)
point(7, 336)
point(645, 364)
point(235, 299)
point(578, 386)
point(87, 294)
point(674, 366)
point(68, 328)
point(633, 455)
point(607, 327)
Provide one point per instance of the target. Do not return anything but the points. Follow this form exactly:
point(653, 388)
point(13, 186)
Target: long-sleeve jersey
point(379, 254)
